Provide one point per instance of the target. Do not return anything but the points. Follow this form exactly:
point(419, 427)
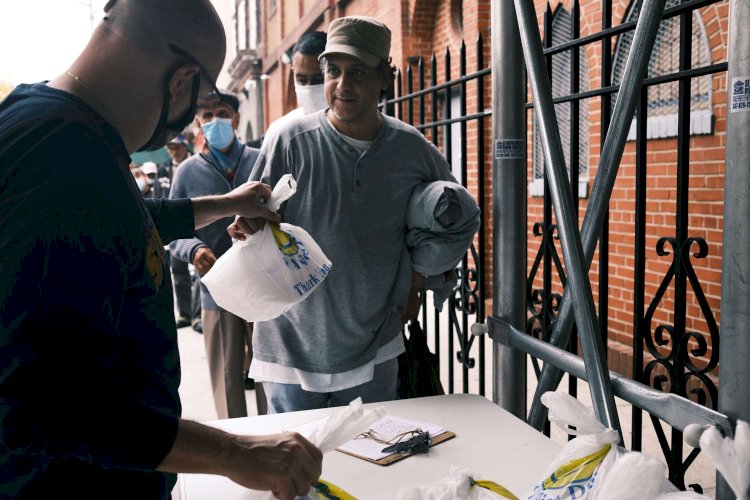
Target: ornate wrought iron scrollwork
point(676, 350)
point(465, 298)
point(466, 294)
point(543, 305)
point(713, 330)
point(691, 345)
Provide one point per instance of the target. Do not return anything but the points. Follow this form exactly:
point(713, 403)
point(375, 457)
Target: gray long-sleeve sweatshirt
point(354, 206)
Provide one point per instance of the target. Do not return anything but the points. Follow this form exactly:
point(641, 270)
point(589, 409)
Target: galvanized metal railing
point(551, 314)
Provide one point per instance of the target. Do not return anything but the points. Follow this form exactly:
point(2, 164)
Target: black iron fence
point(677, 359)
point(440, 112)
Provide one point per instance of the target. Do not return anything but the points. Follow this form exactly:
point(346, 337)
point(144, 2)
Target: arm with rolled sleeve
point(183, 248)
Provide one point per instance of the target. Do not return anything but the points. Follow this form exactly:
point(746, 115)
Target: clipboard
point(395, 457)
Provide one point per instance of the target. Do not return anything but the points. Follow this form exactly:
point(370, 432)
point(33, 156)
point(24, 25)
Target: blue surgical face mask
point(219, 133)
point(141, 183)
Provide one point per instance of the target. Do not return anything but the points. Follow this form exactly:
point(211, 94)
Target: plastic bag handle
point(282, 191)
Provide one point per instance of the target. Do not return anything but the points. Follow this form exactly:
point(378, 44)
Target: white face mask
point(310, 97)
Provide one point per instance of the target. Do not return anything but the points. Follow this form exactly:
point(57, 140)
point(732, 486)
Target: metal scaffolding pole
point(606, 174)
point(557, 177)
point(508, 202)
point(734, 349)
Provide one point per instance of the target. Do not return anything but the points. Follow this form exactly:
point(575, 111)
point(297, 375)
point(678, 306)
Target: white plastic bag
point(730, 456)
point(458, 484)
point(262, 277)
point(635, 476)
point(343, 425)
point(583, 461)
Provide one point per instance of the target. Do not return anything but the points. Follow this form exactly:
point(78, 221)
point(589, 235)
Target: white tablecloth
point(490, 442)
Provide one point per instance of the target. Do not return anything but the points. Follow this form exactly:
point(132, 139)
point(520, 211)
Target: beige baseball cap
point(362, 37)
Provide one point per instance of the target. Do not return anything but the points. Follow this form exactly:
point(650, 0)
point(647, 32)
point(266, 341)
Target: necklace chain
point(75, 77)
point(90, 93)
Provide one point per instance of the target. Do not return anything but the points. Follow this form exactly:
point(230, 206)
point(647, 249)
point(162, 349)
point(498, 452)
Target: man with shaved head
point(86, 293)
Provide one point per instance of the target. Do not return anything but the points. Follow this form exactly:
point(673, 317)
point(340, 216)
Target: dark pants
point(186, 290)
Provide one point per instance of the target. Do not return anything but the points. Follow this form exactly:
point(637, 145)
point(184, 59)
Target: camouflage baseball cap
point(362, 37)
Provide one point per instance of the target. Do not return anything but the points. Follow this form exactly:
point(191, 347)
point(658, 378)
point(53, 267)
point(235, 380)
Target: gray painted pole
point(734, 350)
point(606, 174)
point(557, 176)
point(508, 203)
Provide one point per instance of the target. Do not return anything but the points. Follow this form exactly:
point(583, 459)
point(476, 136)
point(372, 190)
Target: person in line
point(308, 80)
point(86, 292)
point(355, 169)
point(224, 165)
point(140, 179)
point(186, 286)
point(154, 189)
point(178, 151)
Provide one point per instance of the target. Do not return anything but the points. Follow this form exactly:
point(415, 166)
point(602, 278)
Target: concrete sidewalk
point(195, 388)
point(197, 402)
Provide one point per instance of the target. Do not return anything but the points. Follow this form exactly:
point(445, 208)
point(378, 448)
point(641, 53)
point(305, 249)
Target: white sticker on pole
point(509, 149)
point(740, 94)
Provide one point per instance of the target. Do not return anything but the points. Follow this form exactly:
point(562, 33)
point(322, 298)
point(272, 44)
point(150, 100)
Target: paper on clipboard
point(387, 428)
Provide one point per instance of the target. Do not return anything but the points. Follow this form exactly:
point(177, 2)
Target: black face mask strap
point(188, 116)
point(160, 125)
point(163, 128)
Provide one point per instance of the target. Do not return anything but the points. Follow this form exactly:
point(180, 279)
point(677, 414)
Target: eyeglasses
point(415, 441)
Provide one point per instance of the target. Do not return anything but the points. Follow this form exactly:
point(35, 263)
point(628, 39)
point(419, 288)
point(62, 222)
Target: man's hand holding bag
point(264, 275)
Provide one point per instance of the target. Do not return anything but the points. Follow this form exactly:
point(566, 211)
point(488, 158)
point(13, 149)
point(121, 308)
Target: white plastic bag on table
point(262, 277)
point(459, 484)
point(577, 470)
point(635, 476)
point(343, 425)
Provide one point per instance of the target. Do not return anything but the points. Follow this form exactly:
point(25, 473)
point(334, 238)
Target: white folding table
point(490, 442)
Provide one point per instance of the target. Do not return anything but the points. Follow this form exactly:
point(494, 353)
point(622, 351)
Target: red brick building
point(423, 27)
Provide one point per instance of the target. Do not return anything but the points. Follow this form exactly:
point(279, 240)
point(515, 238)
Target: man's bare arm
point(285, 464)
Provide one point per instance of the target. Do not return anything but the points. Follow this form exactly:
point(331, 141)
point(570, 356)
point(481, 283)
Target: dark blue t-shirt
point(89, 366)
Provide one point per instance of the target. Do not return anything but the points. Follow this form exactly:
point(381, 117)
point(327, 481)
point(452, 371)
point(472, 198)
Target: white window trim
point(659, 127)
point(536, 188)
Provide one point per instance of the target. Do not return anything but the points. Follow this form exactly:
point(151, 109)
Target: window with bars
point(562, 31)
point(663, 99)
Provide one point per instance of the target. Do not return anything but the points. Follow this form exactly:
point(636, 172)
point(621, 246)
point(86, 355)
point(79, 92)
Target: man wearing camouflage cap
point(355, 169)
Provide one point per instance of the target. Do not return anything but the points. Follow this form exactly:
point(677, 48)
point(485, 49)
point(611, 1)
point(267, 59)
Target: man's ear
point(182, 81)
point(236, 121)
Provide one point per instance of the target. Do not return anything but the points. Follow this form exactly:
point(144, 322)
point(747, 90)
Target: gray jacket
point(200, 176)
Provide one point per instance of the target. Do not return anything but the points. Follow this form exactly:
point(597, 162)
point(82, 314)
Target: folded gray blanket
point(442, 219)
